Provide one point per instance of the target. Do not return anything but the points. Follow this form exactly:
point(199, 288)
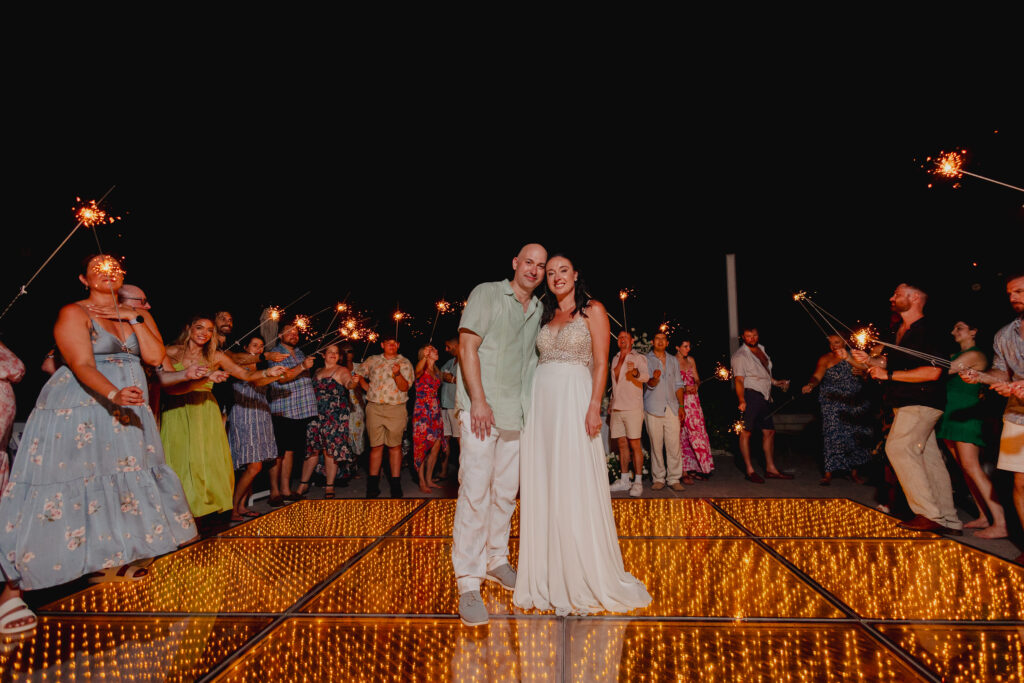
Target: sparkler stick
point(275, 315)
point(340, 308)
point(623, 295)
point(88, 215)
point(370, 338)
point(442, 307)
point(951, 166)
point(721, 373)
point(399, 316)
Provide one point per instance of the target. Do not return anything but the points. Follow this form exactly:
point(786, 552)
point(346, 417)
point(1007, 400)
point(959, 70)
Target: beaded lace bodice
point(570, 344)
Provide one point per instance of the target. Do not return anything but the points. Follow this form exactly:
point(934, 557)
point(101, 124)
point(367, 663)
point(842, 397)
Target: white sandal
point(126, 572)
point(13, 610)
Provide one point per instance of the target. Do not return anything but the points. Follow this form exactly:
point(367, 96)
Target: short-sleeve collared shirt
point(447, 392)
point(295, 399)
point(378, 373)
point(625, 394)
point(658, 399)
point(1009, 358)
point(756, 376)
point(508, 352)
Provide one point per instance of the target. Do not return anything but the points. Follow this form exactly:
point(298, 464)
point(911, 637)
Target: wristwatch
point(137, 320)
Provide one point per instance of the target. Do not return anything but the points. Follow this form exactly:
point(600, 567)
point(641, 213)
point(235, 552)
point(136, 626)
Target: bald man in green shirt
point(497, 359)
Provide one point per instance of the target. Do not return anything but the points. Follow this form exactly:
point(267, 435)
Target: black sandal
point(328, 492)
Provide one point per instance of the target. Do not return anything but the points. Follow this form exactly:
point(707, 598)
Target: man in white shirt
point(626, 411)
point(752, 370)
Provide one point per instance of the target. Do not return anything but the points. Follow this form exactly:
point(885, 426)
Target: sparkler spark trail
point(951, 165)
point(275, 313)
point(864, 336)
point(302, 322)
point(24, 288)
point(738, 427)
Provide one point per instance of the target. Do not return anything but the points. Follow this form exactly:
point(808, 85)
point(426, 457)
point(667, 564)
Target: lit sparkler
point(274, 313)
point(108, 265)
point(623, 295)
point(721, 373)
point(951, 165)
point(302, 323)
point(90, 215)
point(398, 317)
point(800, 296)
point(738, 427)
point(442, 308)
point(863, 337)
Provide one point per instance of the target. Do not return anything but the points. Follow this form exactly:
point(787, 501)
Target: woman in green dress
point(192, 431)
point(961, 430)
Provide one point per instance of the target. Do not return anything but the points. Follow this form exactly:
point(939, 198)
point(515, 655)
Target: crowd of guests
point(657, 391)
point(133, 439)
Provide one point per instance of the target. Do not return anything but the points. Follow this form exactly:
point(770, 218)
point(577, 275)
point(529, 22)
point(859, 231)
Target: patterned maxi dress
point(693, 435)
point(426, 417)
point(250, 429)
point(846, 421)
point(11, 372)
point(89, 489)
point(327, 433)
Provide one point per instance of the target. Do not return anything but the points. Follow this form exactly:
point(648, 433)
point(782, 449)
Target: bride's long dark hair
point(551, 304)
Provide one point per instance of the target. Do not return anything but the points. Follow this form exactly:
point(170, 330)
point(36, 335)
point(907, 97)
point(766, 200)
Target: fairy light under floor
point(744, 589)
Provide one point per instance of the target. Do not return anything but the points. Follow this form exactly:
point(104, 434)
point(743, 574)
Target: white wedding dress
point(569, 557)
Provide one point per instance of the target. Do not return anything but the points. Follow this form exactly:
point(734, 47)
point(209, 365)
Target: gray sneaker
point(503, 576)
point(471, 609)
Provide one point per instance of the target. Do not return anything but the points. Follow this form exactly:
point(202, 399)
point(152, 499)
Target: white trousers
point(488, 483)
point(663, 430)
point(915, 456)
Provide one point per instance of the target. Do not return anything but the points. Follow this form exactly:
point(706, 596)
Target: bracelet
point(112, 394)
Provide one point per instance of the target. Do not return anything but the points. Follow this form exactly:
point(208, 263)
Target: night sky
point(402, 214)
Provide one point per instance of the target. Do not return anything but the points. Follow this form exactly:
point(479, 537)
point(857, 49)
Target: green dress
point(962, 420)
point(196, 448)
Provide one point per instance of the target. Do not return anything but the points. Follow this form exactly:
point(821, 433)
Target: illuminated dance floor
point(744, 589)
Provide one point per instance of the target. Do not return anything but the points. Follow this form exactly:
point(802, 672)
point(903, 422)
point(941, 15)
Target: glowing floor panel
point(74, 648)
point(327, 518)
point(222, 576)
point(376, 649)
point(624, 650)
point(813, 518)
point(964, 653)
point(915, 580)
point(804, 589)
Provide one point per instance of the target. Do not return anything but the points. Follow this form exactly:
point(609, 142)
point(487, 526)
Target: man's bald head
point(133, 296)
point(529, 267)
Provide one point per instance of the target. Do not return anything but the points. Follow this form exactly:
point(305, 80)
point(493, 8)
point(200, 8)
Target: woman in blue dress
point(846, 420)
point(250, 431)
point(89, 490)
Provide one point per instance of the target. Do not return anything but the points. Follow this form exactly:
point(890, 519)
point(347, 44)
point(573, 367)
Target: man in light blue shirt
point(663, 412)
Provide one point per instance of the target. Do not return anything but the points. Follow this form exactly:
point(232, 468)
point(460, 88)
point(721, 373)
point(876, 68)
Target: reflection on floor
point(743, 589)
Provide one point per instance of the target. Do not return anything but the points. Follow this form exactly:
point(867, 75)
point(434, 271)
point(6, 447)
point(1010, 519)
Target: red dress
point(426, 417)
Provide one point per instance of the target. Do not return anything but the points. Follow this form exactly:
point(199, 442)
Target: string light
point(814, 518)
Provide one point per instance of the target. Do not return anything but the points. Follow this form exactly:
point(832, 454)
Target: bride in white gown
point(569, 557)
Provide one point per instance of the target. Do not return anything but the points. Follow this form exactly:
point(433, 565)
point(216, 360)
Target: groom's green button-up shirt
point(508, 352)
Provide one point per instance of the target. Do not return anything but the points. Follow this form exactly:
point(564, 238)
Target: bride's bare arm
point(597, 322)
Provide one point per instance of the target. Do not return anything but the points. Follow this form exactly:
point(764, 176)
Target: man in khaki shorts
point(626, 411)
point(386, 379)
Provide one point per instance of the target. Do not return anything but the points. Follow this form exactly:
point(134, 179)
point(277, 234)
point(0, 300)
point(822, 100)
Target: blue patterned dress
point(250, 429)
point(846, 420)
point(89, 488)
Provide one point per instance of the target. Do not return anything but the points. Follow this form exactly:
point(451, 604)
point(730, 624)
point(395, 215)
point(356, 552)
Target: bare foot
point(424, 487)
point(991, 532)
point(979, 523)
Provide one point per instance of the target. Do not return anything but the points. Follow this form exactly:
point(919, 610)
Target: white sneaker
point(622, 484)
point(636, 489)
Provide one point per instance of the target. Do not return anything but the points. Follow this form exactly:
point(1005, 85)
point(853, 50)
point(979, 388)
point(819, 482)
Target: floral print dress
point(89, 489)
point(426, 417)
point(327, 433)
point(11, 371)
point(693, 434)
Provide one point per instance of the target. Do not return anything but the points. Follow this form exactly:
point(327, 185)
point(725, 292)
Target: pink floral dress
point(11, 372)
point(693, 435)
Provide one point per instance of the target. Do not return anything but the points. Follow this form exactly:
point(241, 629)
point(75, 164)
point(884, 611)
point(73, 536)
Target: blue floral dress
point(89, 488)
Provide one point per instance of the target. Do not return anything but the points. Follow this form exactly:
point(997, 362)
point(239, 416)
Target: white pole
point(730, 282)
